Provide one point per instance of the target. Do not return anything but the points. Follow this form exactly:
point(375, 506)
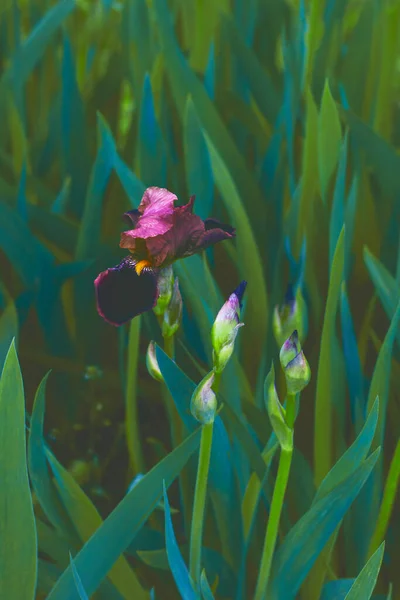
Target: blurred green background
point(282, 117)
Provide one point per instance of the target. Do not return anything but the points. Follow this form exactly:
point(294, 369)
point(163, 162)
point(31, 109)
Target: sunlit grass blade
point(364, 585)
point(325, 377)
point(388, 500)
point(18, 549)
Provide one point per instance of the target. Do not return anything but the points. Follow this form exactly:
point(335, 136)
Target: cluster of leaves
point(282, 118)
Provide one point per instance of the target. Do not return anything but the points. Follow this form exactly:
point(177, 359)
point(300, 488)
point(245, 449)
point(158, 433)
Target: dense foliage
point(282, 117)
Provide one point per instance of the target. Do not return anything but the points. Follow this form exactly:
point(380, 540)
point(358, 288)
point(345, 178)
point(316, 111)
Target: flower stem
point(169, 346)
point(196, 534)
point(271, 534)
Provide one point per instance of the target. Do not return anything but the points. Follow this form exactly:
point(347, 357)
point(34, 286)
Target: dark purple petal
point(178, 242)
point(131, 217)
point(215, 224)
point(240, 291)
point(213, 236)
point(122, 294)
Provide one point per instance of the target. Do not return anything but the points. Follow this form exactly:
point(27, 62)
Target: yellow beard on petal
point(142, 264)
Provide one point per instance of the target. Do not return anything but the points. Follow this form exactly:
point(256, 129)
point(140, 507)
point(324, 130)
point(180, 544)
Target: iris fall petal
point(122, 294)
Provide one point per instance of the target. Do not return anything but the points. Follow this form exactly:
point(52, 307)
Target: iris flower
point(160, 233)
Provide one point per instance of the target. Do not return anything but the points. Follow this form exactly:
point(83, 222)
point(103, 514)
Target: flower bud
point(226, 327)
point(165, 285)
point(294, 364)
point(276, 412)
point(289, 316)
point(173, 314)
point(203, 404)
point(152, 363)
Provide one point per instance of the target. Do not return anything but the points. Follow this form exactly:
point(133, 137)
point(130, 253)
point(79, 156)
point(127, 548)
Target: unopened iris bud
point(294, 364)
point(165, 286)
point(289, 316)
point(226, 327)
point(173, 314)
point(152, 363)
point(276, 412)
point(203, 404)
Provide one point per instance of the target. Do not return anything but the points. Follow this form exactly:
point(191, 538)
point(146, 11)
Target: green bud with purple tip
point(226, 327)
point(290, 316)
point(173, 313)
point(277, 413)
point(203, 404)
point(294, 364)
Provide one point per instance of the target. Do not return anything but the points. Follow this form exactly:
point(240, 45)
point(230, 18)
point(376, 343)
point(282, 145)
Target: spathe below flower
point(161, 234)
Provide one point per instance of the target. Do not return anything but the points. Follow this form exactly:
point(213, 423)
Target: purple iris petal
point(122, 294)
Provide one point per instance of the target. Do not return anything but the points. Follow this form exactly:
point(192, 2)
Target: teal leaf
point(42, 483)
point(152, 158)
point(353, 457)
point(206, 591)
point(132, 185)
point(21, 198)
point(112, 538)
point(364, 585)
point(379, 155)
point(350, 219)
point(259, 80)
point(8, 330)
point(22, 249)
point(34, 46)
point(307, 538)
point(199, 177)
point(59, 205)
point(89, 232)
point(78, 582)
point(183, 82)
point(18, 549)
point(355, 377)
point(336, 590)
point(75, 153)
point(209, 74)
point(177, 565)
point(385, 284)
point(338, 204)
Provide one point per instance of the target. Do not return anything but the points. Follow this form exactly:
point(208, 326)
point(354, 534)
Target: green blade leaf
point(325, 377)
point(78, 582)
point(177, 565)
point(116, 533)
point(307, 538)
point(18, 548)
point(30, 52)
point(86, 520)
point(364, 585)
point(329, 139)
point(353, 457)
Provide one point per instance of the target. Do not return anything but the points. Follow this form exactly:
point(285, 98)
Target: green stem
point(196, 535)
point(169, 346)
point(271, 534)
